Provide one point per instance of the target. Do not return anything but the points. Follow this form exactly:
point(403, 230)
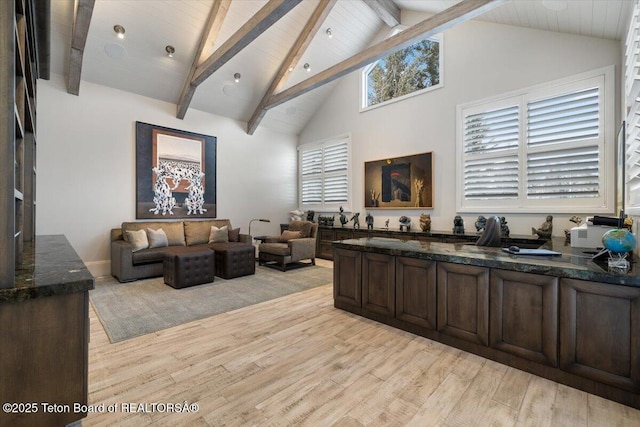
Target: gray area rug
point(128, 310)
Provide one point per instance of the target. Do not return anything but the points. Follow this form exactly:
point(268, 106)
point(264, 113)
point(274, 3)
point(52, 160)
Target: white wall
point(86, 165)
point(480, 60)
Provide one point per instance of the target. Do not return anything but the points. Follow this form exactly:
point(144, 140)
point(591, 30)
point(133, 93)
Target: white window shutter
point(324, 174)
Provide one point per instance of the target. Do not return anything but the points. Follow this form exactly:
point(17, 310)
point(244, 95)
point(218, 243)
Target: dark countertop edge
point(50, 267)
point(562, 271)
point(27, 293)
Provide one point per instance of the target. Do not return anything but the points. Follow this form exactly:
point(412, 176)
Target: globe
point(619, 241)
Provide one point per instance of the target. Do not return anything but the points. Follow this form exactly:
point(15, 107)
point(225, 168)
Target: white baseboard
point(99, 268)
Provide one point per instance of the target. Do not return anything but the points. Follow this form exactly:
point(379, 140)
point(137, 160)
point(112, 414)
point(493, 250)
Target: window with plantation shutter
point(541, 149)
point(324, 174)
point(632, 110)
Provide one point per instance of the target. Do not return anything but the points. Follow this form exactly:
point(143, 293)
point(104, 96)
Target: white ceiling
point(139, 64)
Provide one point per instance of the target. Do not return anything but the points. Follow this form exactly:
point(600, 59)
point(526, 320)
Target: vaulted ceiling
point(139, 63)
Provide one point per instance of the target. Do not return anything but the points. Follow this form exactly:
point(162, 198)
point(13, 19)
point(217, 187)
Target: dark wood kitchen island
point(565, 318)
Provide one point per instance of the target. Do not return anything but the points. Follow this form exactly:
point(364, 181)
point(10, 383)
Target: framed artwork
point(175, 173)
point(399, 182)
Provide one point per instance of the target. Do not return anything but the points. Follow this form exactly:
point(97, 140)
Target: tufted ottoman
point(233, 260)
point(184, 266)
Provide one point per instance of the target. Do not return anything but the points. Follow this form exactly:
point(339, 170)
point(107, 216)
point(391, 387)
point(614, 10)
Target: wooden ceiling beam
point(81, 22)
point(209, 36)
point(456, 14)
point(258, 24)
point(387, 10)
point(293, 57)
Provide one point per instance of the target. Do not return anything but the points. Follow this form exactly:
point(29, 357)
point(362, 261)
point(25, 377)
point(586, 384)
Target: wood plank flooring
point(299, 361)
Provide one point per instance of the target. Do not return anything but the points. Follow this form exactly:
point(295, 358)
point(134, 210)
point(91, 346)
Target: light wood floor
point(299, 361)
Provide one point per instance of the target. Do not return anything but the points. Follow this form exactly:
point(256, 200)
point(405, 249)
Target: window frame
point(631, 113)
point(323, 144)
point(367, 69)
point(605, 203)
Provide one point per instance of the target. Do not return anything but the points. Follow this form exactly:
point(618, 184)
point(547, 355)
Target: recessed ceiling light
point(307, 67)
point(119, 29)
point(328, 31)
point(236, 77)
point(170, 50)
point(555, 5)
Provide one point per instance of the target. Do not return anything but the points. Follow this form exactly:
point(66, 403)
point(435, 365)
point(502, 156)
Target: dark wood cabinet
point(378, 284)
point(324, 249)
point(463, 302)
point(524, 315)
point(416, 291)
point(600, 332)
point(347, 277)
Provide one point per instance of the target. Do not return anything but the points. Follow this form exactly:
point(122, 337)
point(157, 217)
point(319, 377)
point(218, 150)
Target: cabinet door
point(524, 315)
point(347, 277)
point(416, 291)
point(463, 302)
point(600, 332)
point(378, 284)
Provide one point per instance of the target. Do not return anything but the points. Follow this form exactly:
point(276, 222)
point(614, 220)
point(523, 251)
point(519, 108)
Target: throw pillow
point(288, 235)
point(219, 235)
point(157, 238)
point(234, 235)
point(304, 227)
point(138, 239)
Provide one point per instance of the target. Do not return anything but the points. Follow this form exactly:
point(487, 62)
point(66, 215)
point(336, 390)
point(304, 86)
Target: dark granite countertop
point(50, 267)
point(468, 235)
point(573, 263)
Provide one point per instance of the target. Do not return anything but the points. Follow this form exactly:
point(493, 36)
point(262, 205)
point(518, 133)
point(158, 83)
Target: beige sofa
point(128, 265)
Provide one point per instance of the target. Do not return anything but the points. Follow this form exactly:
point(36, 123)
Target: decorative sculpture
point(425, 222)
point(343, 218)
point(326, 220)
point(405, 222)
point(386, 224)
point(419, 184)
point(356, 220)
point(480, 224)
point(504, 228)
point(369, 220)
point(296, 215)
point(567, 232)
point(310, 215)
point(458, 225)
point(545, 229)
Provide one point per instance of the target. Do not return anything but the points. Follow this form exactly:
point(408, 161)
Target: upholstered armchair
point(294, 245)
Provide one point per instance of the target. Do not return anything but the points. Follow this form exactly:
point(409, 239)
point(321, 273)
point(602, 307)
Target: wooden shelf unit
point(18, 75)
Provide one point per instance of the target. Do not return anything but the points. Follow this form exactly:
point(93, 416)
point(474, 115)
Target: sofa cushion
point(197, 232)
point(219, 235)
point(234, 235)
point(288, 235)
point(138, 240)
point(157, 238)
point(148, 256)
point(304, 227)
point(173, 229)
point(281, 249)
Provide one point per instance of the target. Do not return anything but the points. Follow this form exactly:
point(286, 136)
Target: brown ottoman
point(186, 266)
point(233, 260)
